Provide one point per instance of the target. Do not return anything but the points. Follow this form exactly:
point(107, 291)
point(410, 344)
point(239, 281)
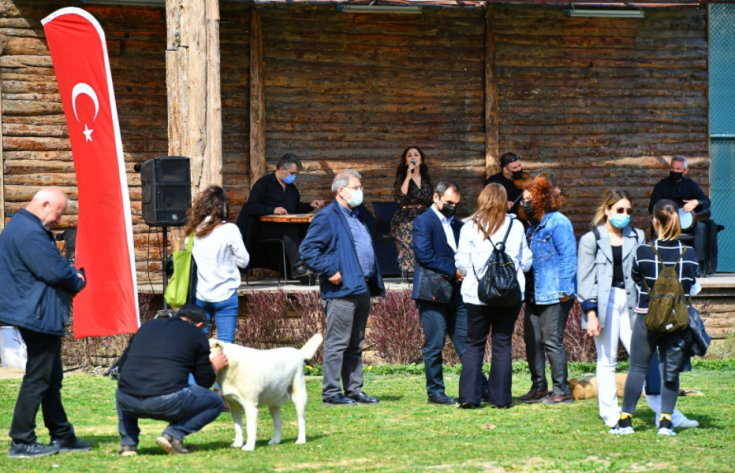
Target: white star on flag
point(87, 133)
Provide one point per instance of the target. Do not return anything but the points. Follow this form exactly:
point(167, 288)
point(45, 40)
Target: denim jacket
point(554, 250)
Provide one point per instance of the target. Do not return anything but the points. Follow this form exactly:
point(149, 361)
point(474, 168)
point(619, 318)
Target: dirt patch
point(11, 373)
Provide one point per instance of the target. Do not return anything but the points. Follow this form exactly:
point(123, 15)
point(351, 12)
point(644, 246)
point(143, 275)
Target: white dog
point(267, 377)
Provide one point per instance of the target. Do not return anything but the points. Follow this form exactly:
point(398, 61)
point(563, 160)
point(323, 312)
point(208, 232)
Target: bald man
point(38, 284)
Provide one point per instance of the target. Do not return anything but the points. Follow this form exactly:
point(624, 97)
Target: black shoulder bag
point(433, 286)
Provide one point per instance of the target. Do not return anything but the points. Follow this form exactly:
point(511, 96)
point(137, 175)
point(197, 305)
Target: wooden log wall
point(35, 143)
point(601, 102)
point(352, 91)
point(235, 77)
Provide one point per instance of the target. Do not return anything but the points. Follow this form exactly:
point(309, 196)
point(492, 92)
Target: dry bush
point(395, 329)
point(100, 351)
point(277, 320)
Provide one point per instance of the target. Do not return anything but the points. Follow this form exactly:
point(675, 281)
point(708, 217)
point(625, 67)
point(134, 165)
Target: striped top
point(647, 265)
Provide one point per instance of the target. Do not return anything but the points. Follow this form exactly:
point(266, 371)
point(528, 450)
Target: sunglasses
point(513, 159)
point(621, 210)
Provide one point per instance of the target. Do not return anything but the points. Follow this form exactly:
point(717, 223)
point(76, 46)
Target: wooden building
point(590, 102)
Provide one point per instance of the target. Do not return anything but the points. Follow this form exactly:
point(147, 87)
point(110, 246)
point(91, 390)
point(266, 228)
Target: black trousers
point(291, 234)
point(479, 320)
point(699, 231)
point(41, 386)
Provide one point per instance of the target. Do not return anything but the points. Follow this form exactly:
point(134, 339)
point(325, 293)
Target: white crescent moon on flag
point(84, 89)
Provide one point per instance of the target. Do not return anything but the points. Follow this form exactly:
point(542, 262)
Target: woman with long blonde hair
point(650, 258)
point(608, 295)
point(218, 251)
point(486, 229)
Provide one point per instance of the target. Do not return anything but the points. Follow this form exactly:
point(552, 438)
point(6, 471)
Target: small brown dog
point(586, 388)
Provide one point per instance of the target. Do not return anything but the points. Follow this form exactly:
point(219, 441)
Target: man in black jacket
point(37, 287)
point(688, 196)
point(276, 194)
point(510, 170)
point(154, 380)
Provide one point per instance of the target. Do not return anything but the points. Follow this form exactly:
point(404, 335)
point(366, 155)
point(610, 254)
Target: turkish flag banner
point(108, 305)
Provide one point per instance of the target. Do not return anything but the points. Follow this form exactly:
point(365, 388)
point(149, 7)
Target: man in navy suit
point(339, 248)
point(435, 240)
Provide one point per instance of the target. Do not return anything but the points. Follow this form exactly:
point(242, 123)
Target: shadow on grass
point(391, 398)
point(97, 440)
point(225, 445)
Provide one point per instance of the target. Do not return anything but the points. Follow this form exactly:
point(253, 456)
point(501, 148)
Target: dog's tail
point(309, 349)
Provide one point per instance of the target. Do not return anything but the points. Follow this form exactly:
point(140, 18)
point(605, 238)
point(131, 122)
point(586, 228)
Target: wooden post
point(257, 101)
point(491, 100)
point(193, 84)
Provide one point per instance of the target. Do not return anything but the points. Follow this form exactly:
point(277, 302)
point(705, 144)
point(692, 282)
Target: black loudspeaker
point(166, 183)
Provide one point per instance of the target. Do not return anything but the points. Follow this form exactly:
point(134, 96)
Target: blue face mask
point(619, 220)
point(355, 198)
point(289, 178)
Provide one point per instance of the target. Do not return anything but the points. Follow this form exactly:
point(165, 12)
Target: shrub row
point(394, 336)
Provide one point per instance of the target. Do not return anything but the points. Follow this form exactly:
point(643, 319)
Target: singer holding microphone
point(413, 194)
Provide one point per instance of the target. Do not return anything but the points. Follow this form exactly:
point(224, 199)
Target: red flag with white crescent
point(108, 305)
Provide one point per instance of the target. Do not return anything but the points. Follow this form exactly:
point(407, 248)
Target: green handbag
point(177, 290)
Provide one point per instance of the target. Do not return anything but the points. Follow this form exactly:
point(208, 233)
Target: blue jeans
point(438, 321)
point(225, 316)
point(187, 410)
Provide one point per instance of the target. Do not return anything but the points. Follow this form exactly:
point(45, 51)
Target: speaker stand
point(165, 273)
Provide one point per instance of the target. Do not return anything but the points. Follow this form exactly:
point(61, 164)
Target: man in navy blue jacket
point(339, 248)
point(435, 241)
point(38, 284)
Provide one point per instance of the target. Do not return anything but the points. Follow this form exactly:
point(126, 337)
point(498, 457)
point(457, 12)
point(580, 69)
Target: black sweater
point(686, 189)
point(644, 266)
point(161, 356)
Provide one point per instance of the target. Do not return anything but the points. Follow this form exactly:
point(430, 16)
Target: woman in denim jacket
point(608, 296)
point(550, 289)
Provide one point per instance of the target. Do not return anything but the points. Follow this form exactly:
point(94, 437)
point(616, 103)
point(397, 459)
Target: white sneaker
point(617, 430)
point(687, 424)
point(665, 431)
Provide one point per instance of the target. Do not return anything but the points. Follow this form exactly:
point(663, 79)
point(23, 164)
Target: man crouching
point(154, 380)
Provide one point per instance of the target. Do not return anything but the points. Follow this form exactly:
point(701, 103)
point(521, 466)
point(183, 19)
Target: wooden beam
point(193, 84)
point(491, 101)
point(257, 101)
point(2, 160)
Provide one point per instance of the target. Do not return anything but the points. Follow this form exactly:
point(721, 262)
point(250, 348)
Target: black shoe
point(485, 397)
point(31, 450)
point(363, 398)
point(338, 400)
point(73, 444)
point(467, 405)
point(442, 399)
point(171, 445)
point(533, 396)
point(300, 271)
point(127, 450)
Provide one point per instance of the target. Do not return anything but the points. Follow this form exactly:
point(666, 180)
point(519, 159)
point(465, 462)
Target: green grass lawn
point(404, 433)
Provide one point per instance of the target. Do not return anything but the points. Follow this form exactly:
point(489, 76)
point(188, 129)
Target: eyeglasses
point(358, 188)
point(621, 210)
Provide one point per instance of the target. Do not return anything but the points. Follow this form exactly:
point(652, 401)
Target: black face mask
point(448, 210)
point(517, 174)
point(528, 208)
point(675, 176)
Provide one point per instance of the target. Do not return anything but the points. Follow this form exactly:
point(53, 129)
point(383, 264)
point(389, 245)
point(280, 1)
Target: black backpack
point(499, 285)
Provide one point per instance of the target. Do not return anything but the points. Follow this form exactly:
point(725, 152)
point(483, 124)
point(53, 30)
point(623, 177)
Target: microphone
point(413, 161)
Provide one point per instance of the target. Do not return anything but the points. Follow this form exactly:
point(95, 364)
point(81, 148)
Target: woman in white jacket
point(218, 251)
point(485, 228)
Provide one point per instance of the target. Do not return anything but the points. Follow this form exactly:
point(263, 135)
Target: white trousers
point(617, 327)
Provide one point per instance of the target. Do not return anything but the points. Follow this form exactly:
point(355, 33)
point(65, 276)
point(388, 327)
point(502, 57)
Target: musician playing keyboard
point(276, 194)
point(688, 196)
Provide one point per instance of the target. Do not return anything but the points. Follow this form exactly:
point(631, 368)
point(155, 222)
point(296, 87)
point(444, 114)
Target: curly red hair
point(545, 198)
